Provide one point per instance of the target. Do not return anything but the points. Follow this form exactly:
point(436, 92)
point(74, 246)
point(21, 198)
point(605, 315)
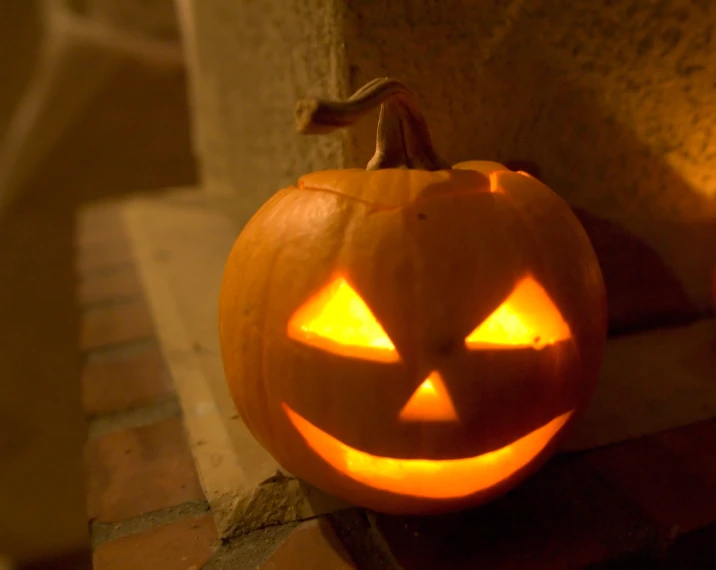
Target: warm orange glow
point(528, 318)
point(494, 182)
point(337, 320)
point(432, 479)
point(431, 402)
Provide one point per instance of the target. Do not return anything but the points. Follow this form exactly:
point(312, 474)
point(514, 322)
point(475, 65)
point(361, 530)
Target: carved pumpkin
point(413, 338)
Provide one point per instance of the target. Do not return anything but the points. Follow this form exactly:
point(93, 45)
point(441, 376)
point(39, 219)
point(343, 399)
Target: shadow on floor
point(81, 560)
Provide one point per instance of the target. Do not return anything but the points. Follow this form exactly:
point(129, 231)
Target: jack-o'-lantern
point(412, 337)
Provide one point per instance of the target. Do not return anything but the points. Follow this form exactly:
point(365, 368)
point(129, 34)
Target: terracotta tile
point(563, 517)
point(98, 219)
point(312, 544)
point(102, 288)
point(133, 379)
point(115, 325)
point(670, 490)
point(96, 234)
point(103, 255)
point(95, 237)
point(184, 545)
point(139, 470)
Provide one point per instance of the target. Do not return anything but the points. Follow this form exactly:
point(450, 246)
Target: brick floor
point(143, 495)
point(104, 255)
point(116, 286)
point(94, 229)
point(186, 544)
point(127, 379)
point(118, 324)
point(313, 544)
point(139, 470)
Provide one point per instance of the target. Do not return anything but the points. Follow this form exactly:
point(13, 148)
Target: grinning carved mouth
point(427, 478)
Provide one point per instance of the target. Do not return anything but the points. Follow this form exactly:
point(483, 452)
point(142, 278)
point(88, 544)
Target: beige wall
point(249, 63)
point(614, 101)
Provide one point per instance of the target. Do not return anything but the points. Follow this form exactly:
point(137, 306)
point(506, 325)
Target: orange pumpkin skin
point(432, 254)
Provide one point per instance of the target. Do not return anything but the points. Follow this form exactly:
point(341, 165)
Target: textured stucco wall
point(614, 101)
point(249, 63)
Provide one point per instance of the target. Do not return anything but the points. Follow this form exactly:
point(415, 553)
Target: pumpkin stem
point(403, 139)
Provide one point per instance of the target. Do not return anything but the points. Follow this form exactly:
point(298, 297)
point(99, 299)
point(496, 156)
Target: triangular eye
point(337, 320)
point(528, 318)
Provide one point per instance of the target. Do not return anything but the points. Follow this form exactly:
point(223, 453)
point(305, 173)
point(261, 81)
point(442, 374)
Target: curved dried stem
point(403, 138)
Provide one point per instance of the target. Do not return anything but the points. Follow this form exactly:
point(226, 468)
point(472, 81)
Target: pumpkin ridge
point(374, 205)
point(265, 396)
point(269, 428)
point(410, 224)
point(277, 416)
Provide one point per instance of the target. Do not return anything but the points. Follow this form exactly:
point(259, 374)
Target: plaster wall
point(248, 64)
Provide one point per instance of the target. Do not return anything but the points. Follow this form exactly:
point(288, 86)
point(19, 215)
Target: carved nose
point(431, 402)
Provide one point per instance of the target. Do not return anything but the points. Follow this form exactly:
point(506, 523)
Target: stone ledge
point(650, 382)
